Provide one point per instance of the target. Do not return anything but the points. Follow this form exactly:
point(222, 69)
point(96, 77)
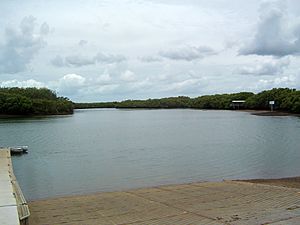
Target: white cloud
point(25, 83)
point(72, 80)
point(266, 67)
point(128, 76)
point(104, 78)
point(283, 81)
point(102, 89)
point(69, 84)
point(186, 85)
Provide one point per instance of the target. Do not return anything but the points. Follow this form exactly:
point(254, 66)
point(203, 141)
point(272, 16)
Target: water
point(108, 150)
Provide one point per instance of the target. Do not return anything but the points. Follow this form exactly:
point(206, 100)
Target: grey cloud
point(274, 35)
point(149, 59)
point(78, 60)
point(44, 29)
point(21, 45)
point(109, 58)
point(58, 61)
point(72, 61)
point(27, 25)
point(82, 42)
point(188, 53)
point(271, 67)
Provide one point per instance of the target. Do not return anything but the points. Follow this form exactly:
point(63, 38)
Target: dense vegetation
point(172, 102)
point(96, 105)
point(220, 101)
point(42, 101)
point(285, 100)
point(33, 101)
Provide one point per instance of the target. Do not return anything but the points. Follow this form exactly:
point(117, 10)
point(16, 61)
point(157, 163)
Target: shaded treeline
point(33, 101)
point(95, 105)
point(285, 100)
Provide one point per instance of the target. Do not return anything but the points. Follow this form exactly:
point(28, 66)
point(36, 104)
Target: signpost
point(272, 103)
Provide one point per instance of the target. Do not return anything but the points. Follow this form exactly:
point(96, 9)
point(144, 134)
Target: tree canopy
point(285, 100)
point(43, 101)
point(33, 101)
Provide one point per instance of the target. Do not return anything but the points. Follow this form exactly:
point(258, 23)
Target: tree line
point(43, 101)
point(285, 100)
point(33, 101)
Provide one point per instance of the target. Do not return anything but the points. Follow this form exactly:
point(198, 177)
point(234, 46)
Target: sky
point(112, 50)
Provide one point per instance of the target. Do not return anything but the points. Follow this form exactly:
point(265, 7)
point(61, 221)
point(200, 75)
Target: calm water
point(106, 150)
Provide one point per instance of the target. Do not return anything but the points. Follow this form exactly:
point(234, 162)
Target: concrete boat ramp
point(227, 202)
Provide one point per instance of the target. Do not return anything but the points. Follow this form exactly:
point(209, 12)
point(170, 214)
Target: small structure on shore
point(237, 104)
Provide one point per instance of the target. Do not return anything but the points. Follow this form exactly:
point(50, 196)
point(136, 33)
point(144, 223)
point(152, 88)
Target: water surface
point(108, 150)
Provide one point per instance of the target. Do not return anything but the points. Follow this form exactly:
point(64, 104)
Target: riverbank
point(290, 182)
point(227, 202)
point(270, 113)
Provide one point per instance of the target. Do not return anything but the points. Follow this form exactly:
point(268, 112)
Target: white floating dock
point(13, 207)
point(8, 203)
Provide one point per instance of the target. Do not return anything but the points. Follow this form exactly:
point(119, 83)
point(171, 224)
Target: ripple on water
point(105, 150)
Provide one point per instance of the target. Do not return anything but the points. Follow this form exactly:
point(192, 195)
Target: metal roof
point(238, 101)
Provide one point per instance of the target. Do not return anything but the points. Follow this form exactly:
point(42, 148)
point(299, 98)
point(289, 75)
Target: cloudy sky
point(104, 50)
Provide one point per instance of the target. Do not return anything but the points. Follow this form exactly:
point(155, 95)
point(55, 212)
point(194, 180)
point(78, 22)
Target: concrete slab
point(291, 221)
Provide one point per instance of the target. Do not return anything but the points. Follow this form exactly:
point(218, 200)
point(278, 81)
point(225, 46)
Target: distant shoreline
point(251, 111)
point(4, 116)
